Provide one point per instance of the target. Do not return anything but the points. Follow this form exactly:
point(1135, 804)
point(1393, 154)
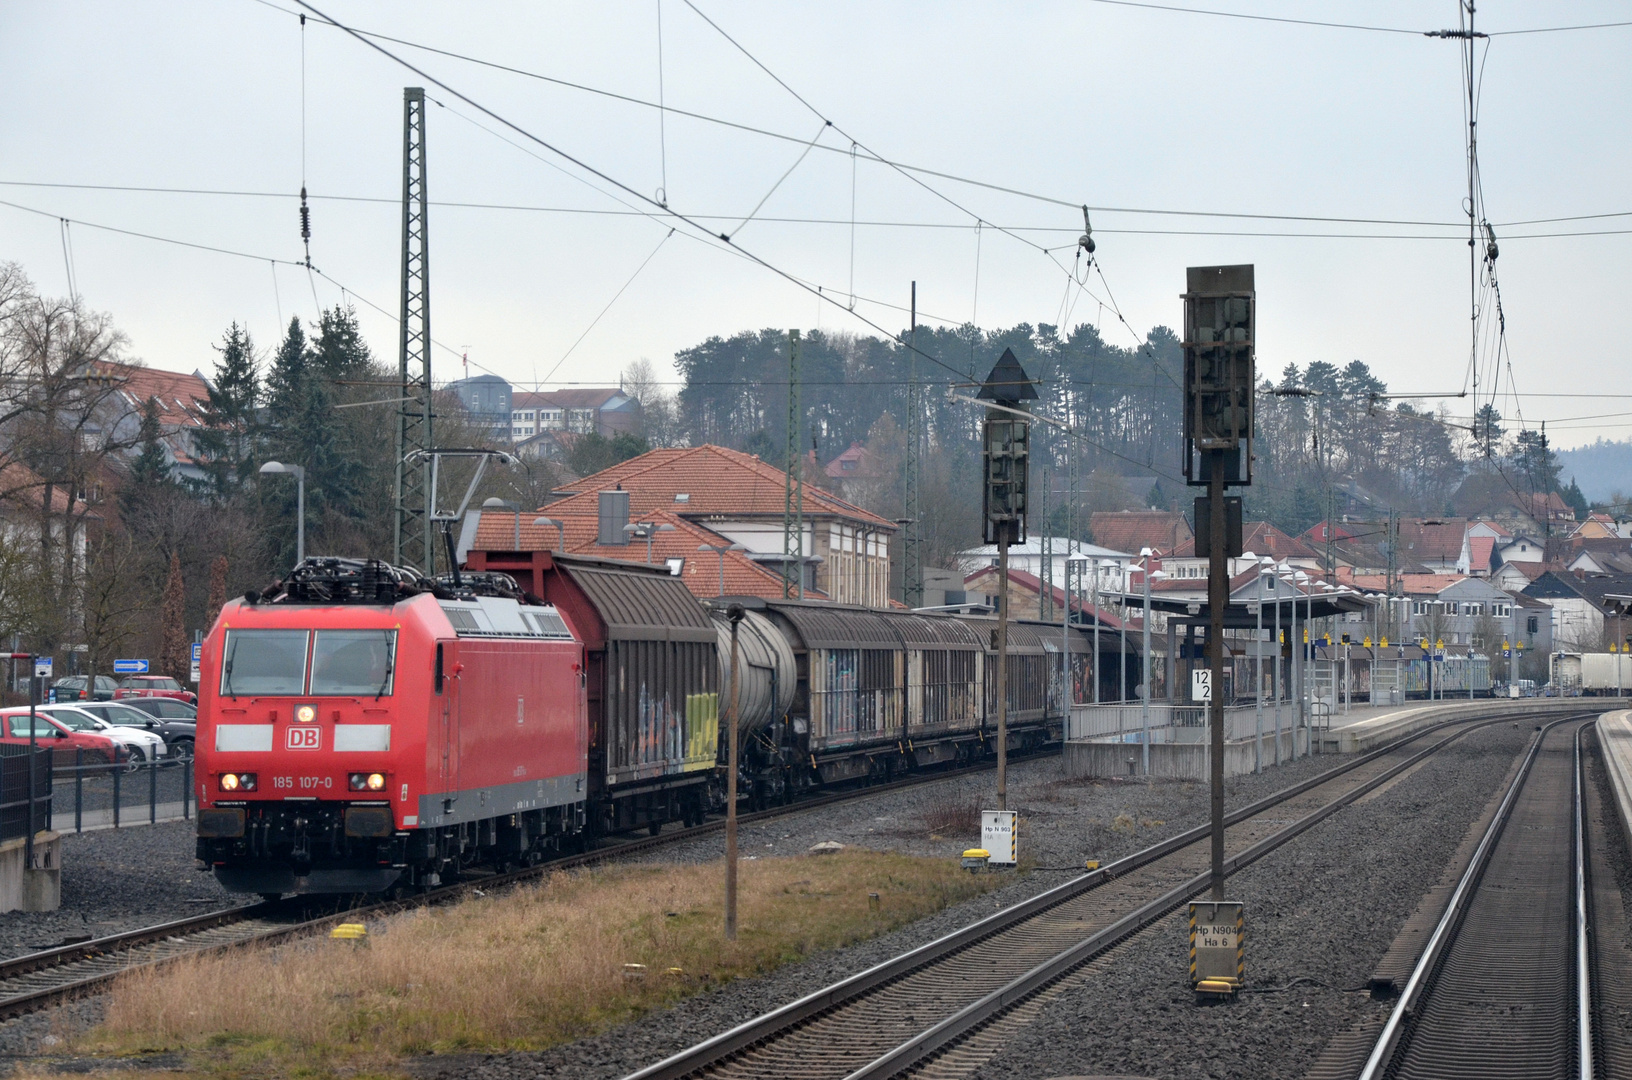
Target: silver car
point(140, 744)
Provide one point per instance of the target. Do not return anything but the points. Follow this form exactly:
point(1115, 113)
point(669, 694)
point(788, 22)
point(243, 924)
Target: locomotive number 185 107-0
point(304, 783)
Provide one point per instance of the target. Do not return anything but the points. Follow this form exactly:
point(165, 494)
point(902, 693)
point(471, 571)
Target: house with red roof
point(1134, 530)
point(709, 495)
point(180, 401)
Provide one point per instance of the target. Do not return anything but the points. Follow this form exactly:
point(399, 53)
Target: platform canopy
point(1186, 599)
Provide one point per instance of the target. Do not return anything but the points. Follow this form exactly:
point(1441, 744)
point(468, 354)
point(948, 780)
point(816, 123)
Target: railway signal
point(1219, 386)
point(1005, 456)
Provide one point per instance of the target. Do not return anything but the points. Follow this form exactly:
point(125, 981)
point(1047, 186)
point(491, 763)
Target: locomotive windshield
point(353, 662)
point(264, 662)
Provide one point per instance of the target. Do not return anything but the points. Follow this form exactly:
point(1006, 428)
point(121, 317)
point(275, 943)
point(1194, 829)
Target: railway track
point(41, 979)
point(903, 1013)
point(1504, 986)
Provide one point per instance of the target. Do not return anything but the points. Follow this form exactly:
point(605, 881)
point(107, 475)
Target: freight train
point(364, 730)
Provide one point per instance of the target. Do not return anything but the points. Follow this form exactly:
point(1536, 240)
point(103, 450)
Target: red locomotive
point(360, 729)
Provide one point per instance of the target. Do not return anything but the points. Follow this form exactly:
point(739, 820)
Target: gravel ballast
point(1063, 822)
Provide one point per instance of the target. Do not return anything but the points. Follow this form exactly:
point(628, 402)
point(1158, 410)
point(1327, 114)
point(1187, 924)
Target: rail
point(1402, 1019)
point(797, 1014)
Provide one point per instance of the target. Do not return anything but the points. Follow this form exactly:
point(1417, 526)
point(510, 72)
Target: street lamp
point(1258, 672)
point(648, 529)
point(1300, 685)
point(1079, 558)
point(299, 473)
point(1144, 699)
point(720, 550)
point(497, 503)
point(560, 531)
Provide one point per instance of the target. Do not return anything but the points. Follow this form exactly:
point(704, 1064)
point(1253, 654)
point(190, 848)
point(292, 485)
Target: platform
point(1615, 736)
point(1358, 731)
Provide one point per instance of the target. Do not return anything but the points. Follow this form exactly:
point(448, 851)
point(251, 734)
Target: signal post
point(1219, 385)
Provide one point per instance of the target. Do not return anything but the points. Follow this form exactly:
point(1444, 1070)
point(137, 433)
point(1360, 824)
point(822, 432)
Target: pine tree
point(228, 441)
point(338, 351)
point(173, 657)
point(151, 471)
point(286, 379)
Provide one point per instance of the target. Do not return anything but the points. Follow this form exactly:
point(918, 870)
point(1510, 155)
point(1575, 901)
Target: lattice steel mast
point(912, 560)
point(412, 541)
point(793, 505)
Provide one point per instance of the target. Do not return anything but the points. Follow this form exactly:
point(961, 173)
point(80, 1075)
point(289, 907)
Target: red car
point(63, 740)
point(154, 686)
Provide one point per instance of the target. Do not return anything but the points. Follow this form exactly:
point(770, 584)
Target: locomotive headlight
point(376, 781)
point(229, 782)
point(366, 781)
point(237, 781)
point(306, 714)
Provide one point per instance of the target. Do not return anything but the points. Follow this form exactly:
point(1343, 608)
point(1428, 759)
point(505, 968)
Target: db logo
point(305, 738)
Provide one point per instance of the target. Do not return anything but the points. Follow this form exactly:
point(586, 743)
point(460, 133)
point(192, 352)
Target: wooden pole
point(735, 615)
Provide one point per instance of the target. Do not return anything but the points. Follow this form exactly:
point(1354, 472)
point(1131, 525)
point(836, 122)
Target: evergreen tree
point(286, 380)
point(1576, 499)
point(338, 351)
point(151, 471)
point(228, 441)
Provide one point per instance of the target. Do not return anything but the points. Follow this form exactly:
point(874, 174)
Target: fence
point(14, 801)
point(96, 795)
point(1169, 723)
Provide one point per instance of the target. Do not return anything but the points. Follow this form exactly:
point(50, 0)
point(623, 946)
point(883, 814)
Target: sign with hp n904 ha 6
point(130, 667)
point(1218, 943)
point(999, 836)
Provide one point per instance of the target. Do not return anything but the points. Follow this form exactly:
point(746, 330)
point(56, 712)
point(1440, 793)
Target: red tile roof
point(1433, 539)
point(23, 487)
point(701, 570)
point(718, 482)
point(1032, 583)
point(1479, 553)
point(1133, 530)
point(1260, 538)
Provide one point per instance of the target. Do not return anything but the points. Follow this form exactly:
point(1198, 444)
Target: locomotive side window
point(264, 662)
point(359, 662)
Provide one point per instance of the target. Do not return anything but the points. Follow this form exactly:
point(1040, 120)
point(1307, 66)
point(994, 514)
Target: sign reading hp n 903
point(130, 667)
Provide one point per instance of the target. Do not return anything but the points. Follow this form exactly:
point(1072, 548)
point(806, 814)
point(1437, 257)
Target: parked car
point(64, 742)
point(154, 686)
point(164, 707)
point(176, 732)
point(138, 743)
point(72, 688)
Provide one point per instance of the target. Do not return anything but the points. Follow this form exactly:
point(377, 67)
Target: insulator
point(305, 217)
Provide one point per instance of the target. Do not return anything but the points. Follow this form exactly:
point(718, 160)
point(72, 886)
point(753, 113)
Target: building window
point(1531, 624)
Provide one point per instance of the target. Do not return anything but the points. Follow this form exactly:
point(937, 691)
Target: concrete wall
point(31, 888)
point(1175, 761)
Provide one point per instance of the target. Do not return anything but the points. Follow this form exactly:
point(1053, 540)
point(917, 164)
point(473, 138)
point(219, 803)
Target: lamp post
point(1093, 568)
point(1300, 671)
point(720, 550)
point(1144, 698)
point(1079, 558)
point(504, 504)
point(560, 531)
point(648, 529)
point(1258, 671)
point(299, 473)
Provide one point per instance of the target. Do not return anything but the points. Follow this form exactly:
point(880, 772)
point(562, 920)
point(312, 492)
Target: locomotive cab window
point(354, 662)
point(264, 662)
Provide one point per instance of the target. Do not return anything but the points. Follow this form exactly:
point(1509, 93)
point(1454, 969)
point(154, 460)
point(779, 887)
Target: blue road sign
point(130, 667)
point(198, 651)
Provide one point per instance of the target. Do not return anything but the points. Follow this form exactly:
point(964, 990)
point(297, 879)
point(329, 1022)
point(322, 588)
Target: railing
point(1169, 723)
point(98, 795)
point(15, 807)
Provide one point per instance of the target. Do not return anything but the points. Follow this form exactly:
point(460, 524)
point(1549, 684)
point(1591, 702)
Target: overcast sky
point(1086, 102)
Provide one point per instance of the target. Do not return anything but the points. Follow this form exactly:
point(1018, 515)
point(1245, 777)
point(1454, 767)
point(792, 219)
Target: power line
point(1347, 26)
point(883, 223)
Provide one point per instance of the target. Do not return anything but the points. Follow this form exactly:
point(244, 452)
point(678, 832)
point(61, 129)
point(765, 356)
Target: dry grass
point(521, 971)
point(952, 814)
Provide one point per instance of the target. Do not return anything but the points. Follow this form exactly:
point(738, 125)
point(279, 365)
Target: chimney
point(614, 515)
